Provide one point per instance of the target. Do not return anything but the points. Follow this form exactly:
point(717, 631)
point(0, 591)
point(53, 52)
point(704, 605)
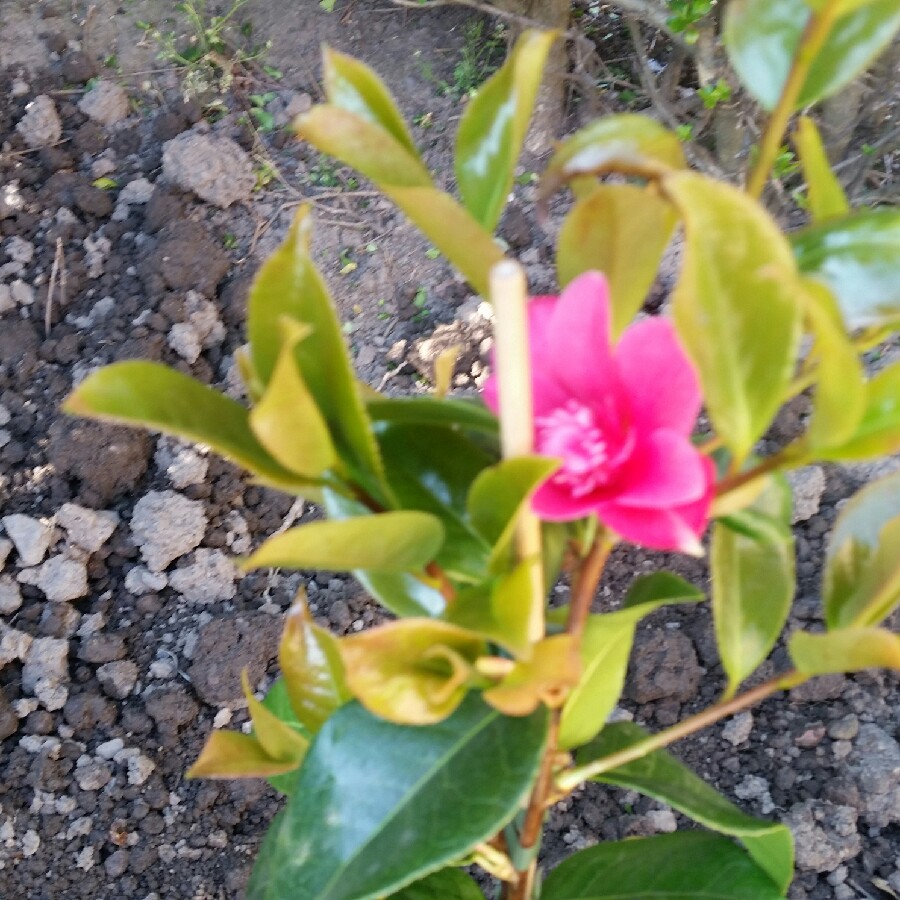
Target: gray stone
point(875, 767)
point(59, 577)
point(41, 124)
point(142, 581)
point(18, 250)
point(184, 465)
point(6, 546)
point(202, 329)
point(117, 678)
point(31, 537)
point(215, 168)
point(89, 529)
point(664, 667)
point(10, 595)
point(105, 103)
point(14, 644)
point(136, 192)
point(166, 525)
point(91, 774)
point(844, 729)
point(101, 648)
point(756, 788)
point(738, 729)
point(46, 672)
point(807, 486)
point(824, 835)
point(207, 578)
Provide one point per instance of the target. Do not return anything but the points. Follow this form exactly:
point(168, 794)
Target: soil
point(106, 696)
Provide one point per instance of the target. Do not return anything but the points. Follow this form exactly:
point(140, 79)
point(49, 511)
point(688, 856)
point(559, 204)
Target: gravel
point(215, 168)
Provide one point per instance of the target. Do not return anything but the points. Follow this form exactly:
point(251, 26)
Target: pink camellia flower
point(619, 418)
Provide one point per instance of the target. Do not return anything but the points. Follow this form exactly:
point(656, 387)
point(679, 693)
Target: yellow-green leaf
point(415, 671)
point(628, 143)
point(735, 306)
point(826, 196)
point(622, 231)
point(154, 396)
point(494, 125)
point(846, 650)
point(287, 420)
point(861, 583)
point(277, 739)
point(310, 661)
point(545, 678)
point(230, 754)
point(402, 541)
point(351, 85)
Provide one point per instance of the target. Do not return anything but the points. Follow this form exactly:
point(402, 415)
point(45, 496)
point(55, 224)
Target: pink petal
point(555, 503)
point(658, 377)
point(578, 340)
point(679, 528)
point(546, 395)
point(663, 471)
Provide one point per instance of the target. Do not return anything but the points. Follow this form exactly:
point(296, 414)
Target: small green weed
point(482, 52)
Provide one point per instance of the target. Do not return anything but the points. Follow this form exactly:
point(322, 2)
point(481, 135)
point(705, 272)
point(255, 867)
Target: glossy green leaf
point(691, 865)
point(493, 128)
point(735, 306)
point(404, 594)
point(310, 661)
point(401, 541)
point(330, 846)
point(287, 420)
point(840, 396)
point(352, 86)
point(878, 429)
point(762, 37)
point(289, 287)
point(846, 650)
point(398, 174)
point(861, 582)
point(605, 648)
point(432, 469)
point(753, 580)
point(154, 396)
point(661, 776)
point(415, 671)
point(450, 412)
point(628, 143)
point(826, 196)
point(622, 231)
point(447, 884)
point(498, 495)
point(858, 258)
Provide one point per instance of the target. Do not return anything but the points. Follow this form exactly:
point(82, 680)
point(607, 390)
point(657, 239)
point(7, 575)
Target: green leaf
point(432, 469)
point(402, 593)
point(447, 884)
point(735, 306)
point(415, 671)
point(401, 541)
point(878, 429)
point(691, 865)
point(278, 702)
point(847, 650)
point(352, 86)
point(861, 582)
point(753, 580)
point(622, 231)
point(661, 776)
point(498, 495)
point(400, 176)
point(762, 37)
point(605, 648)
point(230, 754)
point(289, 287)
point(826, 196)
point(287, 420)
point(840, 387)
point(329, 846)
point(469, 415)
point(494, 125)
point(310, 659)
point(858, 258)
point(154, 396)
point(628, 143)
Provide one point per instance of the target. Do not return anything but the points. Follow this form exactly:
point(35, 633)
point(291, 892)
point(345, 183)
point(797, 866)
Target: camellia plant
point(440, 739)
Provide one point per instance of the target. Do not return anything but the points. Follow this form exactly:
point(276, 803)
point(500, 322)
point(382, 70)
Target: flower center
point(571, 433)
